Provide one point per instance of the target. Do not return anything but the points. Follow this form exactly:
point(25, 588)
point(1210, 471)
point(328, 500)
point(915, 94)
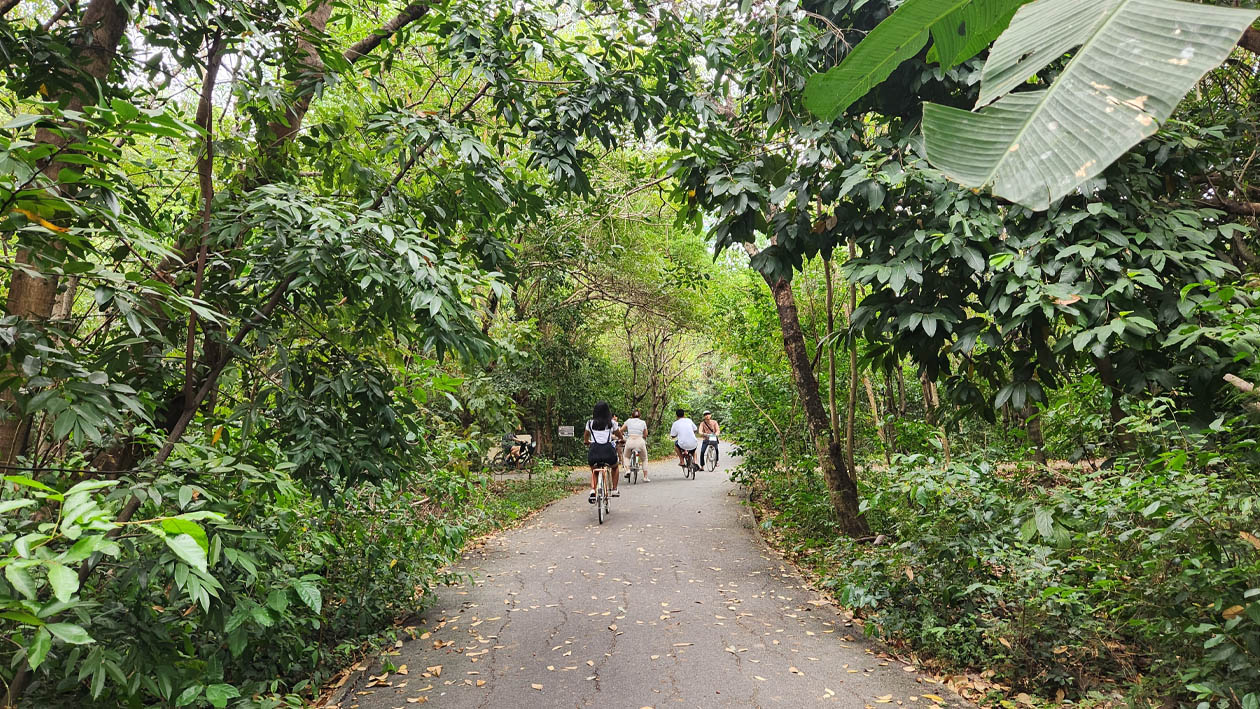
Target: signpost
point(566, 432)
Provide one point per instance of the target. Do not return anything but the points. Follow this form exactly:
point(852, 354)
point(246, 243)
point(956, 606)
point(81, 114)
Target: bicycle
point(632, 470)
point(513, 454)
point(711, 460)
point(602, 471)
point(689, 465)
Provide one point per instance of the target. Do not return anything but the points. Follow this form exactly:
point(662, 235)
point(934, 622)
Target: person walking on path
point(636, 441)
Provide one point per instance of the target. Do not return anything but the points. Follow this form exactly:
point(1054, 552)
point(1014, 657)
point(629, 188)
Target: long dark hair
point(601, 417)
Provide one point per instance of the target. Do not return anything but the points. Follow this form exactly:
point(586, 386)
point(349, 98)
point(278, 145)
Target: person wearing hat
point(708, 427)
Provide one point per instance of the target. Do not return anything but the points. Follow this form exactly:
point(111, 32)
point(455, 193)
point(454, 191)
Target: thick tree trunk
point(31, 297)
point(1107, 373)
point(840, 482)
point(1032, 424)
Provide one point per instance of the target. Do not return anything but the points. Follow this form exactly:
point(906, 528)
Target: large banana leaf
point(1136, 61)
point(970, 29)
point(899, 37)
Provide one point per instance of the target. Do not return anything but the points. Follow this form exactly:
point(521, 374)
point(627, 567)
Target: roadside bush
point(1149, 573)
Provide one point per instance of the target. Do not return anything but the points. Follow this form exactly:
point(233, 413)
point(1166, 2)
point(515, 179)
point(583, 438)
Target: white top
point(684, 431)
point(596, 434)
point(635, 427)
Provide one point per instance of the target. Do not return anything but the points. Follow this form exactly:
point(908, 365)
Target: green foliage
point(958, 29)
point(1146, 569)
point(1031, 146)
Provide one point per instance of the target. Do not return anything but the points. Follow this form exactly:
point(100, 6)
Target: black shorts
point(601, 453)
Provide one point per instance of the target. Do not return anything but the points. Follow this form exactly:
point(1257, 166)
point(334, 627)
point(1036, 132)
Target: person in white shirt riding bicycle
point(683, 431)
point(601, 437)
point(709, 430)
point(635, 430)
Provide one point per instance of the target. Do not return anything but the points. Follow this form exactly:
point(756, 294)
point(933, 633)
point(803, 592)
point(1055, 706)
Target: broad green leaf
point(219, 694)
point(188, 550)
point(188, 696)
point(38, 649)
point(10, 505)
point(64, 581)
point(28, 482)
point(970, 29)
point(893, 41)
point(21, 580)
point(23, 120)
point(70, 633)
point(192, 529)
point(22, 617)
point(1035, 147)
point(308, 591)
point(1045, 522)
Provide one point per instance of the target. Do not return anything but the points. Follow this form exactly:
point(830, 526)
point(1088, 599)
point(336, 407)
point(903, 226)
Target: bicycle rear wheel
point(712, 461)
point(601, 499)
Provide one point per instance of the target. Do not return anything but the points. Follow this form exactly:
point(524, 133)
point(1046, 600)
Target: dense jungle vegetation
point(278, 276)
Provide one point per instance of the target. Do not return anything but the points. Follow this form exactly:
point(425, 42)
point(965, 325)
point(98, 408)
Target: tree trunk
point(877, 418)
point(840, 483)
point(850, 419)
point(1107, 373)
point(831, 357)
point(1032, 424)
point(932, 405)
point(901, 391)
point(31, 297)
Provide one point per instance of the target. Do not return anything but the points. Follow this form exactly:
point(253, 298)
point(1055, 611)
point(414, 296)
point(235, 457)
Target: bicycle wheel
point(499, 461)
point(600, 499)
point(712, 461)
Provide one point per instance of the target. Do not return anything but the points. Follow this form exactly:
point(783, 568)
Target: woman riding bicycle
point(601, 436)
point(636, 441)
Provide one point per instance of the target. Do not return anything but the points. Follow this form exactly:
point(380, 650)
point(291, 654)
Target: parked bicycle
point(514, 454)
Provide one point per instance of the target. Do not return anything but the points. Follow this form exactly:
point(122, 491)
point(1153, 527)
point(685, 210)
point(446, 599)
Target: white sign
point(566, 432)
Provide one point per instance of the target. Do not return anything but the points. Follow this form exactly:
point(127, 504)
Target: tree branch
point(1244, 209)
point(205, 181)
point(410, 14)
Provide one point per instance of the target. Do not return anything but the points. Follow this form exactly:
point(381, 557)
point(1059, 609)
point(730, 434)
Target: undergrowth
point(1141, 581)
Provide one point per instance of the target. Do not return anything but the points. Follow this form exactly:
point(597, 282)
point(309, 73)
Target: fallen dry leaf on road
point(435, 670)
point(537, 686)
point(933, 697)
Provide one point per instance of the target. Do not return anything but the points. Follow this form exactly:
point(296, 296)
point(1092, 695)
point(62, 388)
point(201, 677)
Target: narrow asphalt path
point(673, 602)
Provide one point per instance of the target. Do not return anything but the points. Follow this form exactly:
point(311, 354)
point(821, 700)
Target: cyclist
point(683, 431)
point(601, 437)
point(636, 441)
point(708, 427)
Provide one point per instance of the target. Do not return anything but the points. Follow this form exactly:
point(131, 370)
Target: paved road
point(673, 602)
